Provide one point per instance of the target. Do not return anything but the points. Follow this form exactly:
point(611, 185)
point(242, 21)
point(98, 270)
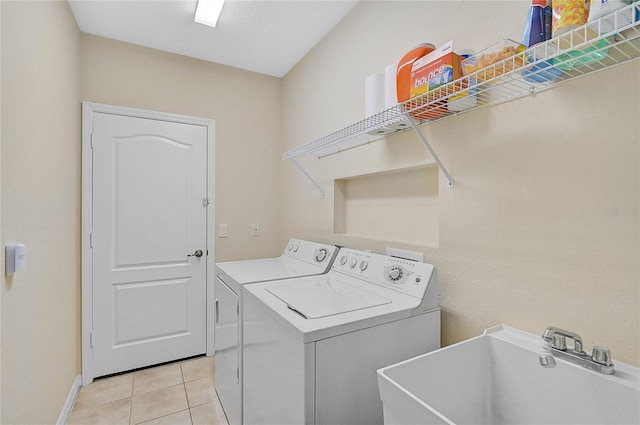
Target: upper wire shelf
point(601, 44)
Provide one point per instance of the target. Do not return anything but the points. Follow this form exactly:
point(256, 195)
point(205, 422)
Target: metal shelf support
point(308, 176)
point(423, 139)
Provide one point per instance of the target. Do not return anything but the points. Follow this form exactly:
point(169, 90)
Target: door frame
point(88, 111)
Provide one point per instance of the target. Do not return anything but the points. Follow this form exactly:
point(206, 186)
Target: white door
point(149, 219)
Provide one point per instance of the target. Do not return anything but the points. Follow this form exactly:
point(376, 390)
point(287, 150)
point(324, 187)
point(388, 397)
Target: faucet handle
point(551, 333)
point(601, 355)
point(559, 342)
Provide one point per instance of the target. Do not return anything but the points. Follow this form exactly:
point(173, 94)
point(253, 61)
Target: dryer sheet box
point(435, 69)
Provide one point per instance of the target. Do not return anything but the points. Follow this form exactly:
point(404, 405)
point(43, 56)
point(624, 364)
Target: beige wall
point(542, 226)
point(40, 207)
point(246, 107)
point(541, 229)
point(1, 254)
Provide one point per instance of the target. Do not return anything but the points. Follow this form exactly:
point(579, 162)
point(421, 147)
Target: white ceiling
point(265, 36)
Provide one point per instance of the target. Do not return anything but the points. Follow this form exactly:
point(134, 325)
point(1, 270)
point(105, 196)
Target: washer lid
point(325, 297)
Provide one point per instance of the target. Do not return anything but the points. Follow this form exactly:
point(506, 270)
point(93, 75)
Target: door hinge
point(205, 201)
point(91, 339)
point(238, 310)
point(238, 373)
point(91, 240)
point(91, 143)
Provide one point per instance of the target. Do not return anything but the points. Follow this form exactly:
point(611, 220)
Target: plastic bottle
point(534, 30)
point(538, 29)
point(403, 76)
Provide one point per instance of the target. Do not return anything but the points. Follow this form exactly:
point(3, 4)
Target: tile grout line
point(164, 416)
point(130, 409)
point(185, 394)
point(133, 383)
point(133, 396)
point(182, 372)
point(184, 384)
point(190, 415)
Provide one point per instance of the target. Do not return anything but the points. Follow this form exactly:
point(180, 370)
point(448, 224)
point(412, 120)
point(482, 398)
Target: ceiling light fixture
point(208, 12)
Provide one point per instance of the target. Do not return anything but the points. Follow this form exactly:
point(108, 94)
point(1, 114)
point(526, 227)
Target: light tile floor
point(181, 393)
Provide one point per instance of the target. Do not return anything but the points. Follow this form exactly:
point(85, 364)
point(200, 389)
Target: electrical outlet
point(255, 229)
point(223, 231)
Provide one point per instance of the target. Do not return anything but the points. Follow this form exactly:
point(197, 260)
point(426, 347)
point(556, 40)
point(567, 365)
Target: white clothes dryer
point(300, 258)
point(313, 344)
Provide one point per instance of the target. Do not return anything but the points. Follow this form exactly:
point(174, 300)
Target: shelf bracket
point(307, 175)
point(423, 139)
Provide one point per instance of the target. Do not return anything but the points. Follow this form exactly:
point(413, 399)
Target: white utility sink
point(496, 379)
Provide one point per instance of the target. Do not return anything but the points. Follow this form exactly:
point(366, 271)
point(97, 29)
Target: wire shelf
point(606, 42)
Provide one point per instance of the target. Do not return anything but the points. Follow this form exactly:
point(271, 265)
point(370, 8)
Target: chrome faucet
point(557, 338)
point(599, 360)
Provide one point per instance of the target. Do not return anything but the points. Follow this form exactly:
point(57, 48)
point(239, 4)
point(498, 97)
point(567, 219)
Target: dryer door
point(227, 354)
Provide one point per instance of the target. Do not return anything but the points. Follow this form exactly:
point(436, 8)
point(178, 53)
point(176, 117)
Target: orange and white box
point(435, 69)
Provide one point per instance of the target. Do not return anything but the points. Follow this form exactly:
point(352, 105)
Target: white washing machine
point(312, 345)
point(300, 258)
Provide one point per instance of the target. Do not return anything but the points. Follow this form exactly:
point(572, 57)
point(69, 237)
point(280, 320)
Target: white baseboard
point(71, 399)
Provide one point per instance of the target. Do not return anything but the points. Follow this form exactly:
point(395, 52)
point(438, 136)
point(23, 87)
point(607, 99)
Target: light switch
point(255, 229)
point(223, 231)
point(15, 258)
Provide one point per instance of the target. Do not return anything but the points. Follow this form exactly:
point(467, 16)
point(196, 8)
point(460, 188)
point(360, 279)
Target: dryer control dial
point(343, 260)
point(363, 265)
point(321, 254)
point(290, 247)
point(353, 262)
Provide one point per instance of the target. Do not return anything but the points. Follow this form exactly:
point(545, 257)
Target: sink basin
point(496, 379)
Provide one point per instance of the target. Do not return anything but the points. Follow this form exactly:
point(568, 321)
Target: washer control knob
point(296, 248)
point(321, 254)
point(290, 247)
point(395, 274)
point(363, 265)
point(343, 260)
point(353, 262)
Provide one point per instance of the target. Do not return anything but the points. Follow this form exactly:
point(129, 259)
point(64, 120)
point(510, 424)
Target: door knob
point(198, 254)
